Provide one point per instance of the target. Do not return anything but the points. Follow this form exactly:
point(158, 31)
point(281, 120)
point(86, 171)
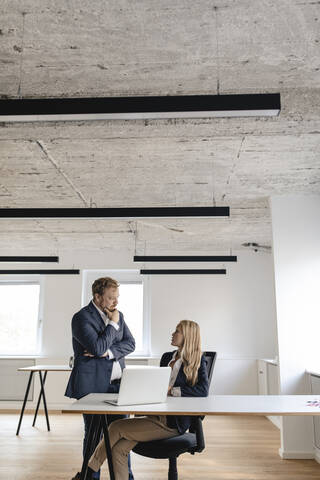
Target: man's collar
point(100, 311)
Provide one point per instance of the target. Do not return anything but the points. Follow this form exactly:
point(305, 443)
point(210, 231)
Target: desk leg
point(44, 400)
point(108, 447)
point(39, 399)
point(94, 432)
point(24, 402)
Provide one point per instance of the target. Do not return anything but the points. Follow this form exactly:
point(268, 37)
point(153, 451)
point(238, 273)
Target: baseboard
point(317, 454)
point(275, 420)
point(296, 455)
point(9, 406)
point(16, 405)
point(12, 411)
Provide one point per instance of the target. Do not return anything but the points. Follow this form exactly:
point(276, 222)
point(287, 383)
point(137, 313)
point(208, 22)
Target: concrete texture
point(147, 47)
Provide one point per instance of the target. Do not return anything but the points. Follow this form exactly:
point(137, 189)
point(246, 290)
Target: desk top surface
point(212, 405)
point(48, 368)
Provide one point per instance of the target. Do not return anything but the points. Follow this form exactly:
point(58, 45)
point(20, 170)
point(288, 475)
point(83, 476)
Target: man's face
point(109, 299)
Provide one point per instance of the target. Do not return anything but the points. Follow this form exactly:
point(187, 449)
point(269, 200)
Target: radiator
point(13, 384)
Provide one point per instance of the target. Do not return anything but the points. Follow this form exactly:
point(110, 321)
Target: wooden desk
point(45, 369)
point(262, 405)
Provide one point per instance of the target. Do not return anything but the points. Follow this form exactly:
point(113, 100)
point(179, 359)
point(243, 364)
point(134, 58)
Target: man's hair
point(101, 284)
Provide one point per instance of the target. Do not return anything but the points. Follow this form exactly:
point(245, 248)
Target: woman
point(188, 379)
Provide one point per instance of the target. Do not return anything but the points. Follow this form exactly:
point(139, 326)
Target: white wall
point(62, 298)
point(236, 313)
point(296, 233)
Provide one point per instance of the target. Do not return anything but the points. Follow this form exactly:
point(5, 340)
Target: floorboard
point(237, 448)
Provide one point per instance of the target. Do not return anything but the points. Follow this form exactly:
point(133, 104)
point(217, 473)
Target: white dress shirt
point(175, 391)
point(116, 368)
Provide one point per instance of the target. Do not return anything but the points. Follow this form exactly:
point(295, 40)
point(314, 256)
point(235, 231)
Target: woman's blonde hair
point(191, 350)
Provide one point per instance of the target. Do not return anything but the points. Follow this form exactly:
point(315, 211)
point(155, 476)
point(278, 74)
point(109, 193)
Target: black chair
point(171, 448)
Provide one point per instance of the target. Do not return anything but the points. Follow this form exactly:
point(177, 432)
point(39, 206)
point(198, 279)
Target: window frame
point(124, 277)
point(26, 280)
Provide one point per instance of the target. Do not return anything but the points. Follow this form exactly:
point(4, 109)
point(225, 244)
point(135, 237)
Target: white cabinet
point(268, 381)
point(315, 389)
point(262, 377)
point(268, 377)
point(273, 379)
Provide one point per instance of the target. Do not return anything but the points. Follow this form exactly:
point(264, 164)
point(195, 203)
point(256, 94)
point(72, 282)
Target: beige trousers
point(124, 434)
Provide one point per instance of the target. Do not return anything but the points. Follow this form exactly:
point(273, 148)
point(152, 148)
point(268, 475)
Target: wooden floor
point(237, 448)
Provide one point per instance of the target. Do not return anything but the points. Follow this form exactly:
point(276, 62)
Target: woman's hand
point(169, 392)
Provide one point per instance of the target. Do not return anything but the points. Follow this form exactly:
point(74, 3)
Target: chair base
point(173, 471)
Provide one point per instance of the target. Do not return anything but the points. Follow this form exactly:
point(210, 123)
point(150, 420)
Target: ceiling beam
point(185, 258)
point(40, 272)
point(131, 108)
point(116, 213)
point(221, 271)
point(28, 259)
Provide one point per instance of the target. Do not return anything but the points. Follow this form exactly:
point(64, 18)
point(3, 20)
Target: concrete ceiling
point(147, 47)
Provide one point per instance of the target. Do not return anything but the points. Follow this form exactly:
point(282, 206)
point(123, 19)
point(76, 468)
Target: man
point(101, 339)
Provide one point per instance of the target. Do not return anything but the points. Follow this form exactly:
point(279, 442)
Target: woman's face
point(177, 337)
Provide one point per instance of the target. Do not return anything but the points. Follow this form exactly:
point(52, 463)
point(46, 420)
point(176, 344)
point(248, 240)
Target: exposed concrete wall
point(158, 48)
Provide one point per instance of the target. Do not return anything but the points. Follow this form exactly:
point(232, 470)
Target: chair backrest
point(211, 360)
point(196, 423)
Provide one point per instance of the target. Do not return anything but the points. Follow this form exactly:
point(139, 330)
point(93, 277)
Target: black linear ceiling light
point(185, 258)
point(182, 106)
point(29, 259)
point(115, 213)
point(221, 271)
point(39, 272)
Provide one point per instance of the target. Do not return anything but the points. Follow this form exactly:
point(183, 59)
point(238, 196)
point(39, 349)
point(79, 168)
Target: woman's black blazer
point(200, 389)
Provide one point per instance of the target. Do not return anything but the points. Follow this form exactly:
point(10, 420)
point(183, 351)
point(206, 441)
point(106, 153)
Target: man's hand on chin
point(113, 315)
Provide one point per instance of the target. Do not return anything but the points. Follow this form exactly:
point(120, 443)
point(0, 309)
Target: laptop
point(142, 385)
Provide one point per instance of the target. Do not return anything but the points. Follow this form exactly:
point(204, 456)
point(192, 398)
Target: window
point(133, 302)
point(19, 318)
point(131, 305)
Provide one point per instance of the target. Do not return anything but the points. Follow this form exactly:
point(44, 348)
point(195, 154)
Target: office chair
point(171, 448)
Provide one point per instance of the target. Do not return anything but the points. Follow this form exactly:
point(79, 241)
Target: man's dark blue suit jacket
point(89, 332)
point(200, 389)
